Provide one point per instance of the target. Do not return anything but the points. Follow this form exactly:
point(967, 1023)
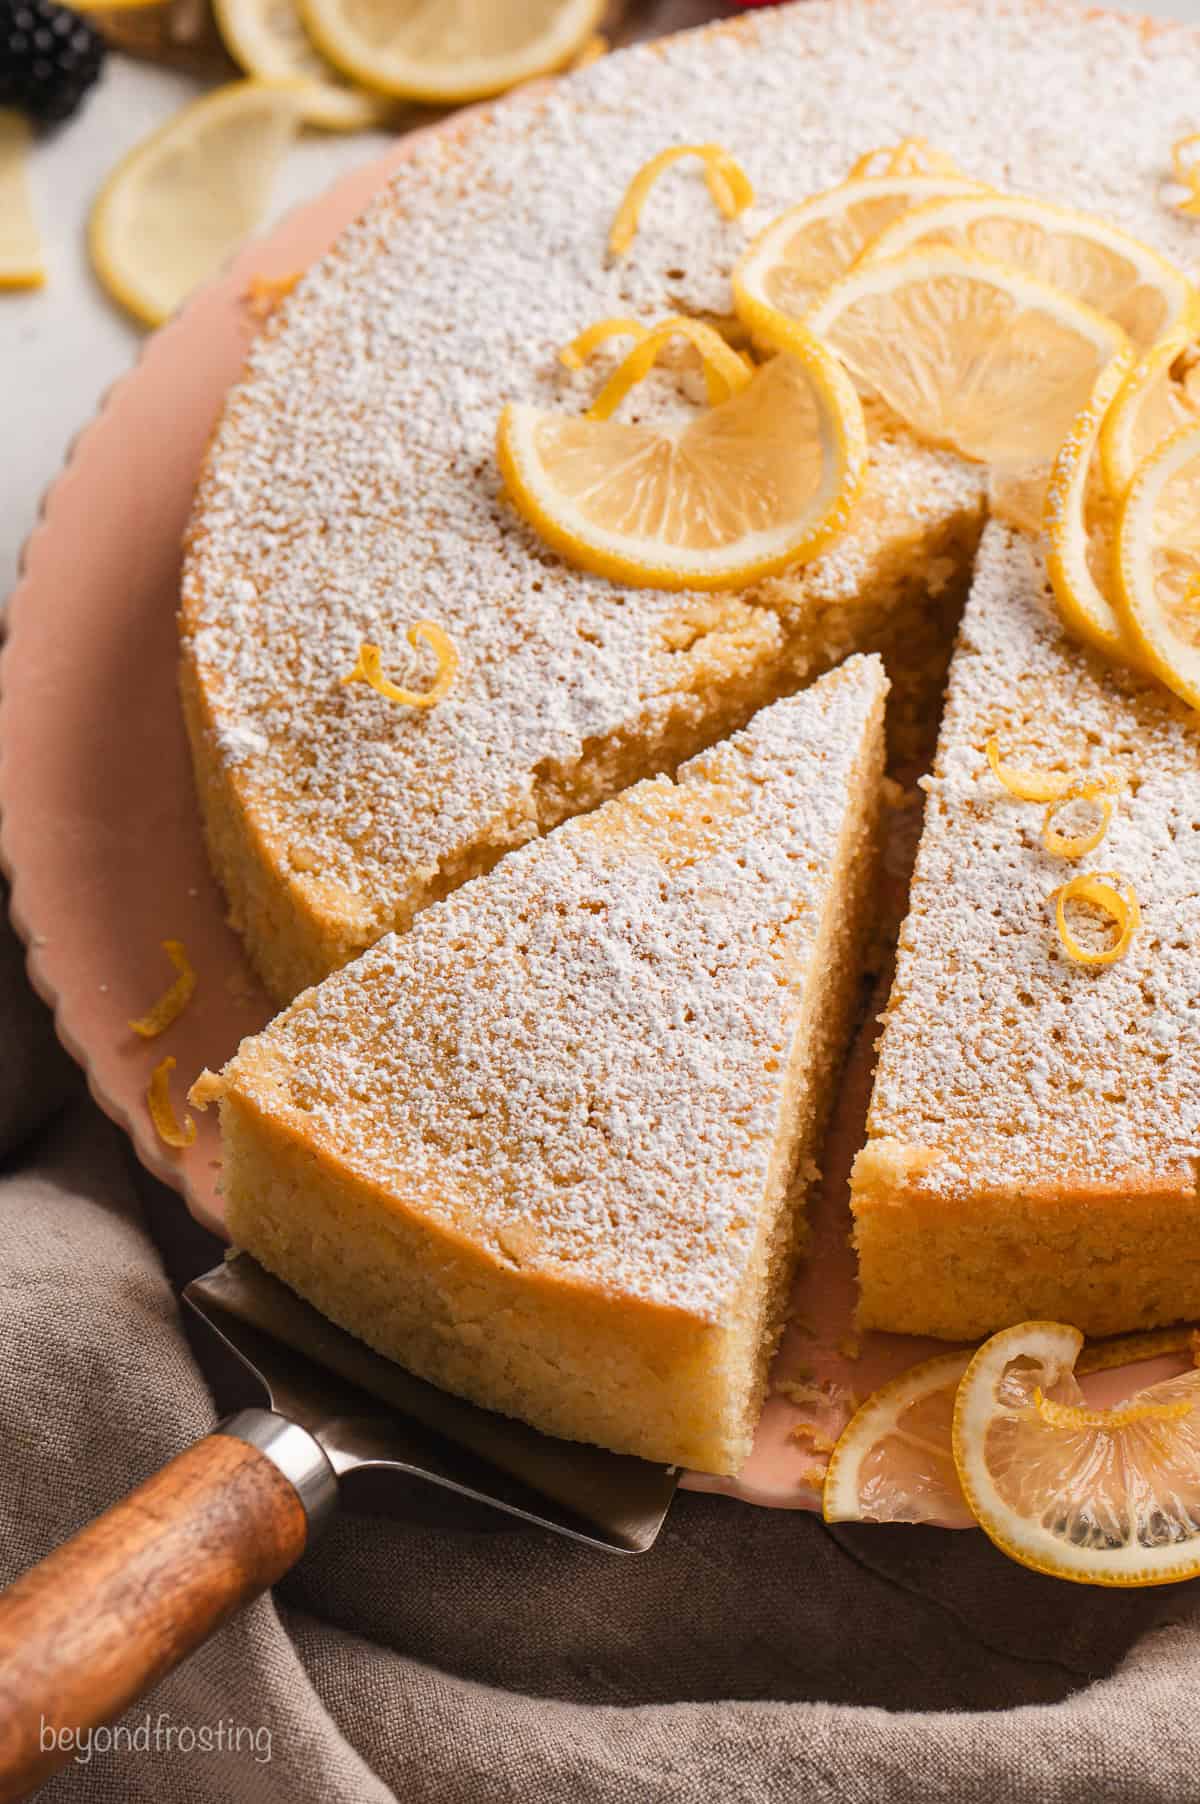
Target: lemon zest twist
point(1027, 785)
point(1075, 845)
point(911, 156)
point(369, 668)
point(725, 373)
point(162, 1112)
point(728, 183)
point(172, 1002)
point(1073, 1415)
point(1100, 889)
point(1187, 171)
point(576, 354)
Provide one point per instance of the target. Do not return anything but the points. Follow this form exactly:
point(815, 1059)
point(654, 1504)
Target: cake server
point(325, 1422)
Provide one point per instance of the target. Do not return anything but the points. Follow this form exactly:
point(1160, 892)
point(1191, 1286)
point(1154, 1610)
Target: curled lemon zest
point(263, 294)
point(576, 354)
point(1074, 1415)
point(725, 373)
point(1187, 171)
point(1027, 785)
point(1100, 889)
point(911, 156)
point(728, 183)
point(162, 1113)
point(1075, 845)
point(172, 1002)
point(369, 668)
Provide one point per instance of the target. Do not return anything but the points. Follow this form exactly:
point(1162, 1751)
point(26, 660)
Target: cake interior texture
point(543, 1147)
point(1034, 1123)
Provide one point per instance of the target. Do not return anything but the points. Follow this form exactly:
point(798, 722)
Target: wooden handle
point(110, 1611)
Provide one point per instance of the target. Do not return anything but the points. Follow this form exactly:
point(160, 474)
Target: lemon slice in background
point(1157, 564)
point(762, 480)
point(894, 1461)
point(971, 354)
point(268, 40)
point(1157, 399)
point(21, 264)
point(182, 200)
point(1079, 255)
point(447, 51)
point(1079, 522)
point(1103, 1497)
point(794, 260)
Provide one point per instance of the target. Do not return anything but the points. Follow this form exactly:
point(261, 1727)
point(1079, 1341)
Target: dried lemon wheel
point(894, 1461)
point(446, 51)
point(794, 260)
point(185, 197)
point(1079, 523)
point(1157, 563)
point(21, 264)
point(1100, 1496)
point(1079, 255)
point(762, 480)
point(268, 40)
point(970, 353)
point(1158, 398)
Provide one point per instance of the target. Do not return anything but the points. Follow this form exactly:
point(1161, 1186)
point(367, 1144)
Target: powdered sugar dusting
point(1018, 1065)
point(580, 1059)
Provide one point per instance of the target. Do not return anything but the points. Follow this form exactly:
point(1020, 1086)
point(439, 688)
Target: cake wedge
point(540, 1148)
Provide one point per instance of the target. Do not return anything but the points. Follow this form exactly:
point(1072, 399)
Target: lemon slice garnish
point(1079, 522)
point(799, 254)
point(21, 264)
point(267, 39)
point(911, 156)
point(1102, 1497)
point(727, 181)
point(894, 1461)
point(447, 51)
point(971, 354)
point(761, 481)
point(172, 210)
point(1079, 255)
point(1158, 398)
point(1157, 562)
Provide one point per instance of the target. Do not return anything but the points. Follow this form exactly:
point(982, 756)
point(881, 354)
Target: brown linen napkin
point(453, 1656)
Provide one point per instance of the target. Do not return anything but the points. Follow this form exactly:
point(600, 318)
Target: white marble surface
point(62, 345)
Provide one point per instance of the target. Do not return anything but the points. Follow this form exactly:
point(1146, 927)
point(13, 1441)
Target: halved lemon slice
point(1076, 253)
point(1157, 562)
point(741, 489)
point(794, 260)
point(1158, 398)
point(268, 40)
point(21, 264)
point(1079, 521)
point(447, 51)
point(1099, 1496)
point(972, 354)
point(176, 206)
point(894, 1461)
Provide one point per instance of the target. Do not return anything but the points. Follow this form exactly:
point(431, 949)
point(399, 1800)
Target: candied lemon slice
point(1157, 562)
point(1159, 397)
point(447, 51)
point(1079, 522)
point(971, 354)
point(179, 203)
point(267, 39)
point(21, 264)
point(894, 1461)
point(795, 259)
point(1102, 1497)
point(1081, 256)
point(761, 481)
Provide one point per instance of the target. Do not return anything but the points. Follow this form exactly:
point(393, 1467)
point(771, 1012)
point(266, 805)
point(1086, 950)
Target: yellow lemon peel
point(725, 373)
point(911, 156)
point(1100, 888)
point(1187, 172)
point(728, 184)
point(369, 668)
point(1073, 1415)
point(172, 1002)
point(1027, 785)
point(1075, 845)
point(162, 1112)
point(263, 294)
point(576, 354)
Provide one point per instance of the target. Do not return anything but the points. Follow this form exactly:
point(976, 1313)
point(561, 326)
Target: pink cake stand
point(101, 839)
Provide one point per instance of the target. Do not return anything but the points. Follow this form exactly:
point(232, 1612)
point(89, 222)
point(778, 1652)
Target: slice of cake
point(539, 1148)
point(1035, 1126)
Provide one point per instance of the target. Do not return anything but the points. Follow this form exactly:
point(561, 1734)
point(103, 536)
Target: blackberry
point(49, 58)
